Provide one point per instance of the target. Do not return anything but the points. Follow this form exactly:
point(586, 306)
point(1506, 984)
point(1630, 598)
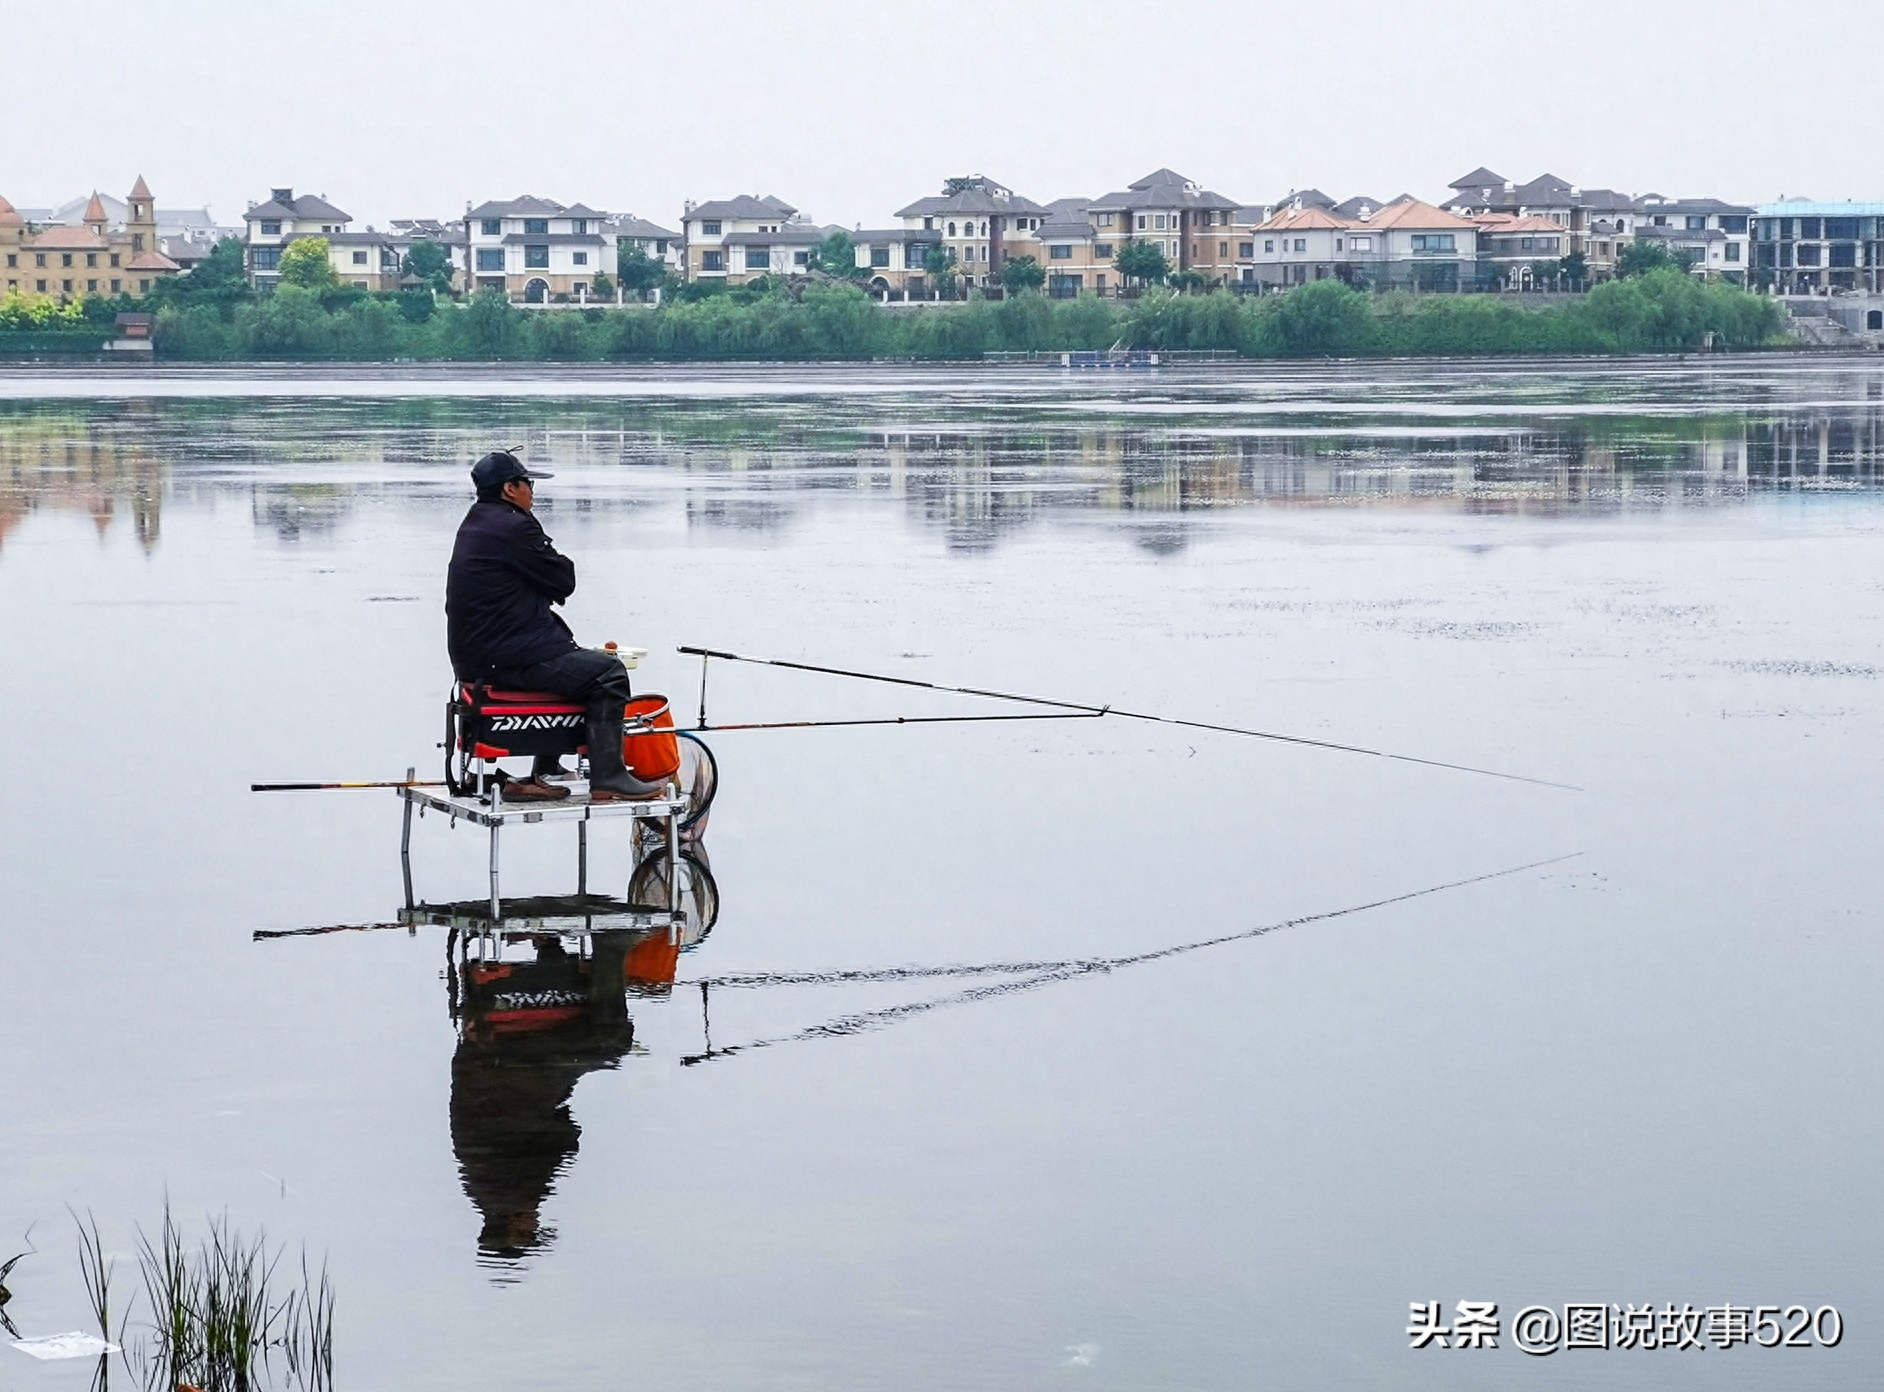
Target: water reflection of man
point(504, 577)
point(528, 1033)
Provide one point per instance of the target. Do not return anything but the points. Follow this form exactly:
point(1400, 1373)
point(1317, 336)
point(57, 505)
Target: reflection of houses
point(94, 464)
point(93, 258)
point(736, 240)
point(538, 251)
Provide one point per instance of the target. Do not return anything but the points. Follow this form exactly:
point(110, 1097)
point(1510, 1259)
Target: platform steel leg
point(496, 904)
point(582, 856)
point(405, 837)
point(673, 868)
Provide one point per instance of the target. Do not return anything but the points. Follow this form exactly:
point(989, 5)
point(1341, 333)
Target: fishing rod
point(326, 787)
point(706, 654)
point(888, 720)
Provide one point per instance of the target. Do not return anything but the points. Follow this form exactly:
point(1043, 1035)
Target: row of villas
point(1485, 233)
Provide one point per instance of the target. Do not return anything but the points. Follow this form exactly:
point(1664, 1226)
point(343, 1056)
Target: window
point(1524, 244)
point(801, 258)
point(1361, 243)
point(712, 261)
point(490, 258)
point(951, 229)
point(579, 289)
point(536, 227)
point(536, 258)
point(581, 225)
point(1157, 221)
point(1301, 244)
point(1808, 255)
point(879, 257)
point(1060, 251)
point(1337, 244)
point(91, 258)
point(114, 257)
point(264, 258)
point(91, 287)
point(359, 258)
point(1103, 250)
point(1246, 249)
point(1733, 222)
point(581, 258)
point(39, 259)
point(143, 287)
point(1809, 229)
point(66, 285)
point(1269, 244)
point(1105, 219)
point(1099, 282)
point(660, 246)
point(928, 224)
point(491, 227)
point(1433, 241)
point(1841, 229)
point(1223, 251)
point(271, 229)
point(1141, 222)
point(1733, 251)
point(1697, 224)
point(758, 258)
point(359, 285)
point(116, 286)
point(42, 287)
point(66, 259)
point(709, 229)
point(1844, 254)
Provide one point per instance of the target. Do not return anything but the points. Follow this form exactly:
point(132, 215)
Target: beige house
point(1407, 243)
point(282, 218)
point(1075, 256)
point(982, 223)
point(1514, 247)
point(93, 258)
point(1195, 228)
point(736, 240)
point(538, 251)
point(895, 261)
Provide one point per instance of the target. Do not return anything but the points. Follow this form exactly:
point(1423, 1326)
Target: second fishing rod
point(1087, 709)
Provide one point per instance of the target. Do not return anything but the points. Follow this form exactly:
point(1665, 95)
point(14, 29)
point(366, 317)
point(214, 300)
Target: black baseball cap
point(500, 467)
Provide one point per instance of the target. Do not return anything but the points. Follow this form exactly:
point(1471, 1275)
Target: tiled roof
point(1655, 203)
point(1414, 213)
point(141, 190)
point(582, 210)
point(626, 226)
point(306, 206)
point(747, 206)
point(1163, 188)
point(523, 205)
point(1479, 178)
point(152, 261)
point(1511, 222)
point(1302, 219)
point(975, 201)
point(68, 239)
point(555, 238)
point(8, 217)
point(1357, 207)
point(94, 210)
point(1064, 228)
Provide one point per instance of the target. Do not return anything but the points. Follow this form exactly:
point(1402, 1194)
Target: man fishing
point(504, 577)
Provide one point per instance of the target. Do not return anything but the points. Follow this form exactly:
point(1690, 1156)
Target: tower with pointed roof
point(65, 262)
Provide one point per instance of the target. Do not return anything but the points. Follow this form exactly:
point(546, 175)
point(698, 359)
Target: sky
point(849, 110)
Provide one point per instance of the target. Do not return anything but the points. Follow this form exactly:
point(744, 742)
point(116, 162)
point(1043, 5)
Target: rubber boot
point(609, 779)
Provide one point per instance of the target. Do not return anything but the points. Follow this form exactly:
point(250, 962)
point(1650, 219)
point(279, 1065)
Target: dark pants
point(582, 674)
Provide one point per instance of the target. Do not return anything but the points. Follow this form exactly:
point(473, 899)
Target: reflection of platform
point(562, 913)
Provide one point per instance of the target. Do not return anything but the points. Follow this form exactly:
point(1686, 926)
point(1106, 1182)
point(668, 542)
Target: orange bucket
point(652, 754)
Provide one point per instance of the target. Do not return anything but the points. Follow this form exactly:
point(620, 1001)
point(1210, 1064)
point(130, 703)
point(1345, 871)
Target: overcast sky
point(847, 109)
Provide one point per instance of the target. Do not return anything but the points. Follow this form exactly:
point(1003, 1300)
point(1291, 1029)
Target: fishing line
point(704, 654)
point(1044, 973)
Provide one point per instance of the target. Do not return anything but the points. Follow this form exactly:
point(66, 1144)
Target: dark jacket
point(504, 576)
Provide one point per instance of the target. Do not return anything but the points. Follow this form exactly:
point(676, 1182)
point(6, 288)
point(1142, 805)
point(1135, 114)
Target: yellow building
point(69, 263)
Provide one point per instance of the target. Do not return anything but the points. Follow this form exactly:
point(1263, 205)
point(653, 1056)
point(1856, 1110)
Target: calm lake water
point(1646, 1071)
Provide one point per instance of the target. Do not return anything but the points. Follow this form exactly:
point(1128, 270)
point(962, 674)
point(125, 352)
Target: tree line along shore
point(211, 315)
